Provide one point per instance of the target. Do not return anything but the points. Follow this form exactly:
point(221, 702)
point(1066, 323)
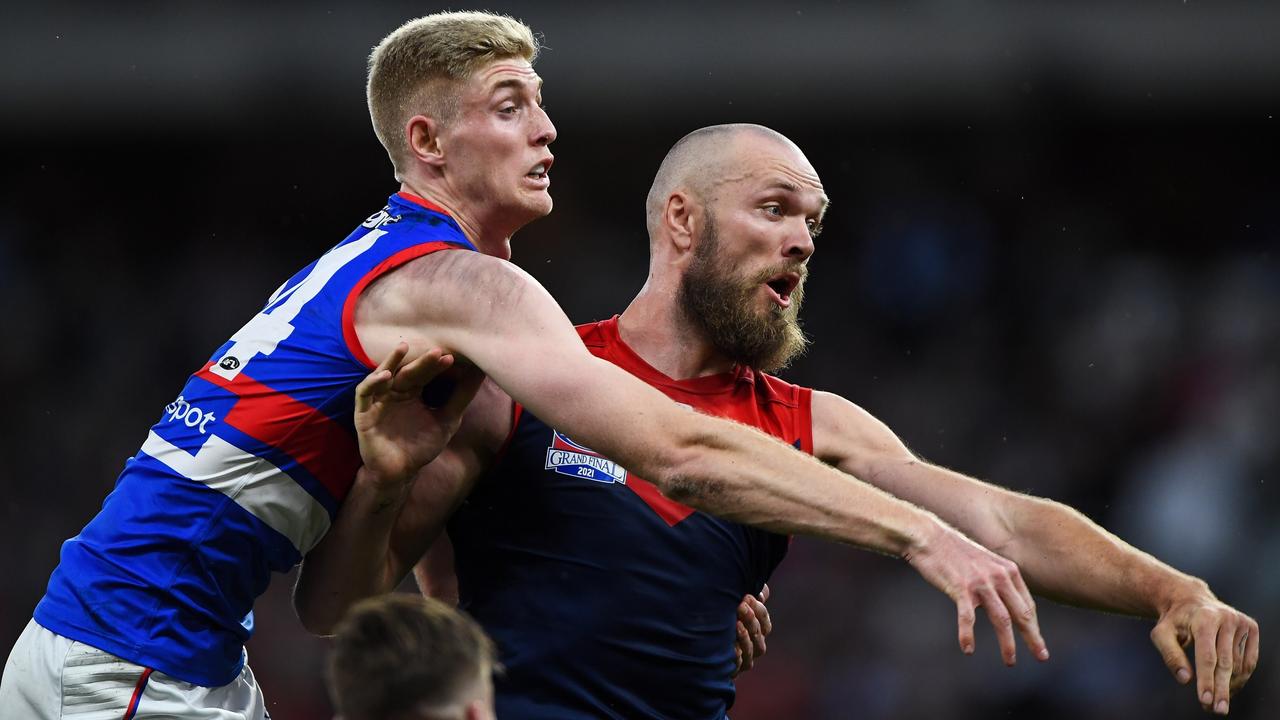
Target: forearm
point(354, 560)
point(1062, 554)
point(741, 474)
point(1069, 558)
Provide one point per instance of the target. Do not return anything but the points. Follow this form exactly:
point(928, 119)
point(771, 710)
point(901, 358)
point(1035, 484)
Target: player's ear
point(679, 219)
point(423, 134)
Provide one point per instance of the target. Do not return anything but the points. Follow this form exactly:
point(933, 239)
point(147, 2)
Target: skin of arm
point(491, 314)
point(384, 527)
point(1062, 554)
point(498, 318)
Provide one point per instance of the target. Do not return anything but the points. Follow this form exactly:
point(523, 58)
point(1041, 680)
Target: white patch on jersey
point(254, 484)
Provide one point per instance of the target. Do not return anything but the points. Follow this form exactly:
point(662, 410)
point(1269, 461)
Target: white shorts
point(50, 677)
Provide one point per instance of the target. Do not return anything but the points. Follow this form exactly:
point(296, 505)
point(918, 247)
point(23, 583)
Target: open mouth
point(781, 286)
point(541, 170)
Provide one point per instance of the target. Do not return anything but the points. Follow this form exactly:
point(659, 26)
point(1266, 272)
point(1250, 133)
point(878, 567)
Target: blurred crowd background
point(1050, 261)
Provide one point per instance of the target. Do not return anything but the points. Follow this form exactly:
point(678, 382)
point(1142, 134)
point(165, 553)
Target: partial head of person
point(732, 216)
point(455, 101)
point(406, 657)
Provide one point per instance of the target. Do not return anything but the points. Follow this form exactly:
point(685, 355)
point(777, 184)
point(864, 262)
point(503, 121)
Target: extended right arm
point(500, 319)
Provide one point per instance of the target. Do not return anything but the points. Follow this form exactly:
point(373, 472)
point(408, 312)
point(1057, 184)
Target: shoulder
point(842, 430)
point(833, 413)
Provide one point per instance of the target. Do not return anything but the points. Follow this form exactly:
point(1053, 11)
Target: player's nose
point(545, 131)
point(799, 242)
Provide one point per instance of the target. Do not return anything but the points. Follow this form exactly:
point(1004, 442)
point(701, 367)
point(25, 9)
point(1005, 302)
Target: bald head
point(702, 161)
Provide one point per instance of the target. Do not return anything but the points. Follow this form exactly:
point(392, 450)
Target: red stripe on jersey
point(400, 258)
point(516, 411)
point(423, 202)
point(324, 448)
point(667, 509)
point(132, 710)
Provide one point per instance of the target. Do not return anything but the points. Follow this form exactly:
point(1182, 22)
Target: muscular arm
point(1062, 554)
point(500, 319)
point(495, 316)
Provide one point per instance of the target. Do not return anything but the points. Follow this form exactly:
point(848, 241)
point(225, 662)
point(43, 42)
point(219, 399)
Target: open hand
point(398, 432)
point(975, 577)
point(1226, 647)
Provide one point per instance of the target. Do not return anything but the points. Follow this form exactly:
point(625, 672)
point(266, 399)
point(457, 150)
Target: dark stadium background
point(1051, 261)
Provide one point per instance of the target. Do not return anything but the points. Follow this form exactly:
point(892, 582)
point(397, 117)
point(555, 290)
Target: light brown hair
point(402, 653)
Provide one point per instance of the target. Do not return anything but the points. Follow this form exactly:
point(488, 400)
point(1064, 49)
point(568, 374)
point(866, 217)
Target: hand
point(1226, 647)
point(975, 577)
point(753, 626)
point(398, 432)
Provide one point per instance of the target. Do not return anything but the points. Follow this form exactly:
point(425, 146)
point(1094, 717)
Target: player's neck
point(488, 237)
point(655, 328)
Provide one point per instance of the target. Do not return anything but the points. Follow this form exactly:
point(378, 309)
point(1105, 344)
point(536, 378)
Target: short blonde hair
point(412, 69)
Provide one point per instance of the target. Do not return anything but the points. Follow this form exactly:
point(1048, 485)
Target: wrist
point(382, 488)
point(920, 535)
point(1182, 590)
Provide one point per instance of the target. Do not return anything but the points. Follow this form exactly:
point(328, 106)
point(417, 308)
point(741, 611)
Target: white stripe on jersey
point(254, 484)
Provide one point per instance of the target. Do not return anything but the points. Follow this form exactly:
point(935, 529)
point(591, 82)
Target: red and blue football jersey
point(607, 599)
point(243, 472)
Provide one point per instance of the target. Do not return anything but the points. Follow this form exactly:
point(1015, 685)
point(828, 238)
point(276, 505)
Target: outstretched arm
point(500, 319)
point(1062, 553)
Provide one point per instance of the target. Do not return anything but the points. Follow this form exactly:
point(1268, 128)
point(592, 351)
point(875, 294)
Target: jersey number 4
point(267, 329)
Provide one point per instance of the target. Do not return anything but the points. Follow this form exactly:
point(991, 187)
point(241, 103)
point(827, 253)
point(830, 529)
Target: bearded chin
point(722, 306)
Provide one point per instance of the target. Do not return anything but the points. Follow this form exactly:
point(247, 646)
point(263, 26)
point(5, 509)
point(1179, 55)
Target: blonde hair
point(412, 69)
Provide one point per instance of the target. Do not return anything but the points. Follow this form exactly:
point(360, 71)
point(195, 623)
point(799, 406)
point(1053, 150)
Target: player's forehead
point(503, 74)
point(766, 164)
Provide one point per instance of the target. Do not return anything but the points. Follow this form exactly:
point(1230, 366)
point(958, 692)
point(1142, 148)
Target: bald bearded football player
point(608, 599)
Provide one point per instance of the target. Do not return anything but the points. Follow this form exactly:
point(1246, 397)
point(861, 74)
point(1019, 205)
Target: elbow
point(315, 623)
point(312, 618)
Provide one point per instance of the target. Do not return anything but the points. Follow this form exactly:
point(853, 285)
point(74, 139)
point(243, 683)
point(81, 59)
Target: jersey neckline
point(631, 361)
point(423, 202)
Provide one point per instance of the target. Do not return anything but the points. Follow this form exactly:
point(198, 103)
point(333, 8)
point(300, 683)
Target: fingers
point(1250, 655)
point(743, 649)
point(1205, 634)
point(375, 384)
point(1222, 673)
point(378, 382)
point(1002, 621)
point(1165, 637)
point(764, 593)
point(1023, 609)
point(748, 618)
point(414, 375)
point(965, 618)
point(392, 360)
point(762, 615)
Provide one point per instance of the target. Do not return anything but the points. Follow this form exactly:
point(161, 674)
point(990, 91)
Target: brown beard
point(721, 305)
